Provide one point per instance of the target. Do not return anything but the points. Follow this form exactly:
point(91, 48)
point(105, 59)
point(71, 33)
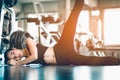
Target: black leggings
point(64, 50)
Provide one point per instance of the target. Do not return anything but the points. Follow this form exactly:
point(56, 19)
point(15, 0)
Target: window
point(83, 22)
point(111, 26)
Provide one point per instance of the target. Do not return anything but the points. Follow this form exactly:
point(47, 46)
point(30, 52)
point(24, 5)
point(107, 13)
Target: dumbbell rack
point(2, 13)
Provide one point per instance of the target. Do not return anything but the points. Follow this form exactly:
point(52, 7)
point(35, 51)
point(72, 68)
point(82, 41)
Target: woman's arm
point(33, 53)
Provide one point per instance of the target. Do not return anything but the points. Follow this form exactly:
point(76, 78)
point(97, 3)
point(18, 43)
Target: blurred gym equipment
point(41, 27)
point(7, 24)
point(86, 42)
point(10, 3)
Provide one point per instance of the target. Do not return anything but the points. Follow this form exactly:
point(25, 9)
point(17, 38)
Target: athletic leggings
point(64, 50)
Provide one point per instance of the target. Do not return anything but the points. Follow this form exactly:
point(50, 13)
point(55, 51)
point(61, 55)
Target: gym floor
point(59, 72)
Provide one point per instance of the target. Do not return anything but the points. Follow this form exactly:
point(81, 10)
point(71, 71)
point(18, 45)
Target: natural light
point(83, 22)
point(111, 26)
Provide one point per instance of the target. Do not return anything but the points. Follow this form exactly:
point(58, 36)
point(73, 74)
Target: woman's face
point(15, 54)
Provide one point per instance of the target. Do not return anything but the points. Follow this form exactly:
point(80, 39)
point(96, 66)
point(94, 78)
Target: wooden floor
point(59, 72)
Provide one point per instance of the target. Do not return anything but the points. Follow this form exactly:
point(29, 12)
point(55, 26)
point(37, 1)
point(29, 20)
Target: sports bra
point(41, 50)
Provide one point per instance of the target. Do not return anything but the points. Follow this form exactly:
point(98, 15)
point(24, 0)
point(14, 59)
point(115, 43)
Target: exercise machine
point(48, 37)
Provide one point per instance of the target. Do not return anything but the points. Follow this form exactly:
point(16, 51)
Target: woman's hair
point(17, 39)
point(6, 56)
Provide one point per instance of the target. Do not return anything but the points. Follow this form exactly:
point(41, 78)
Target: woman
point(62, 53)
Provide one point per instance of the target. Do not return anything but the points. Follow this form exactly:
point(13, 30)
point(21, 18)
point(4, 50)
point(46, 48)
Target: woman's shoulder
point(30, 40)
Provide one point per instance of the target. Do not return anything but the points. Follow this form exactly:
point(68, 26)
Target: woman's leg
point(64, 49)
point(66, 42)
point(69, 30)
point(77, 59)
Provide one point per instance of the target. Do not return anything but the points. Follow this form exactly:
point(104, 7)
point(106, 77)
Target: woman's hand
point(12, 62)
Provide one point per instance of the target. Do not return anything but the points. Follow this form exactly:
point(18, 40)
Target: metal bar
point(41, 25)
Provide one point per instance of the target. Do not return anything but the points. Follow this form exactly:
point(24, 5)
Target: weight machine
point(43, 34)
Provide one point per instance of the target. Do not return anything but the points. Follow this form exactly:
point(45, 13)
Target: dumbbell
point(6, 24)
point(10, 3)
